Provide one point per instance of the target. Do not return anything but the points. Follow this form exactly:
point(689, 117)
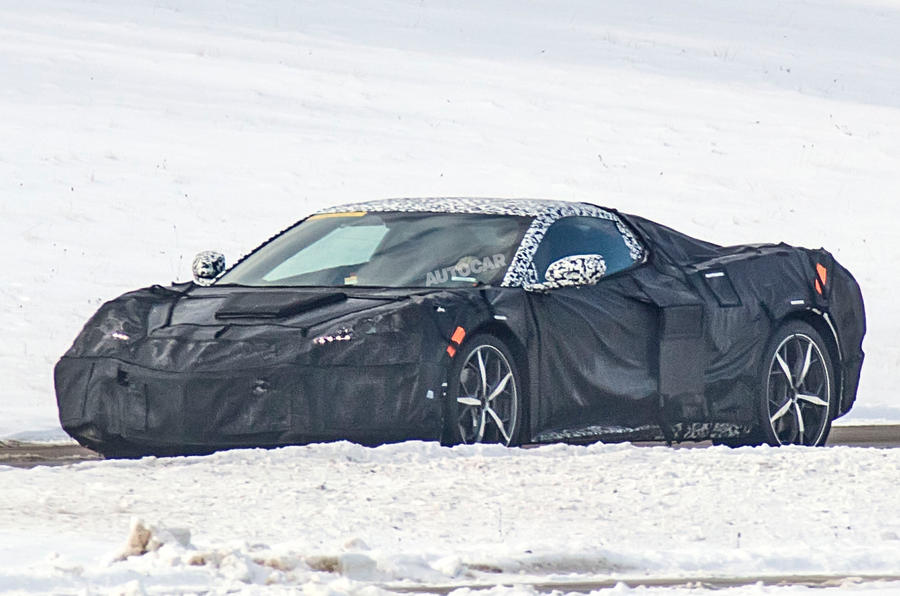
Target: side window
point(583, 236)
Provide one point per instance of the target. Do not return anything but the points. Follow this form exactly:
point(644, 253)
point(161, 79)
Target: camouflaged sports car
point(472, 320)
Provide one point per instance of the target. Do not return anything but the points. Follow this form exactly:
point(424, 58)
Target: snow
point(345, 518)
point(135, 134)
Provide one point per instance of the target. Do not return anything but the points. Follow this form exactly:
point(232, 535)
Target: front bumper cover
point(107, 401)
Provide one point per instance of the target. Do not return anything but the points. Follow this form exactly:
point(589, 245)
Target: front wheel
point(796, 388)
point(484, 395)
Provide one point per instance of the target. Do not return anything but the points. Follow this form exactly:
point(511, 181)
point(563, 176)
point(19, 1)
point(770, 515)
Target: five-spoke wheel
point(795, 408)
point(484, 394)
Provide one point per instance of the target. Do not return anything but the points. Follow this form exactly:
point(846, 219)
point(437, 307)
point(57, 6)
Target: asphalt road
point(883, 435)
point(584, 586)
point(28, 455)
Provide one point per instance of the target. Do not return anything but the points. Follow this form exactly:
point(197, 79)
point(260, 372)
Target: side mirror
point(207, 266)
point(574, 270)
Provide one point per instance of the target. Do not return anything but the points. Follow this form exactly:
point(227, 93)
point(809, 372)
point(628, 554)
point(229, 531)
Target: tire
point(796, 388)
point(752, 440)
point(484, 395)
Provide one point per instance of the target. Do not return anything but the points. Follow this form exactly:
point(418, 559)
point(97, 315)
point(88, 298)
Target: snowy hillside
point(136, 133)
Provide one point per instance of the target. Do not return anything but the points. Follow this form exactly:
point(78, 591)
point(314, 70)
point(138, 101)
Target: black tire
point(484, 395)
point(796, 395)
point(751, 440)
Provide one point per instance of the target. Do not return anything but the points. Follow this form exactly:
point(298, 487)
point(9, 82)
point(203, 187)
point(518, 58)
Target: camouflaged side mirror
point(574, 270)
point(207, 266)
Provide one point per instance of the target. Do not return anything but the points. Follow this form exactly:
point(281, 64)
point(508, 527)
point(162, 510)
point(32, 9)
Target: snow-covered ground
point(136, 133)
point(340, 518)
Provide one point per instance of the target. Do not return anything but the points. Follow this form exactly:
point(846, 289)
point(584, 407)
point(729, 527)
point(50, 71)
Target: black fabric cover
point(671, 348)
point(275, 305)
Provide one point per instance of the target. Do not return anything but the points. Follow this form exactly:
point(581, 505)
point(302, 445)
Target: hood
point(303, 308)
point(194, 328)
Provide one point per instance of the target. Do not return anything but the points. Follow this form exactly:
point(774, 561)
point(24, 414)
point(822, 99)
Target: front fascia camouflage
point(155, 368)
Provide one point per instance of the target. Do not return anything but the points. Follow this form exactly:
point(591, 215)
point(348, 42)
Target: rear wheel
point(484, 395)
point(797, 388)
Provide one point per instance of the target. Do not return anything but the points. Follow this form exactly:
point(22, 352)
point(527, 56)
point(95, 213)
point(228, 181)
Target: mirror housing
point(574, 270)
point(207, 266)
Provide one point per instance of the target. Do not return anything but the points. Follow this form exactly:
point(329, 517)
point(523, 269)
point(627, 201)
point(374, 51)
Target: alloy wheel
point(488, 401)
point(798, 392)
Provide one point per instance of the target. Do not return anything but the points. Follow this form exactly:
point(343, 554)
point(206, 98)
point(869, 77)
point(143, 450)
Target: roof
point(489, 206)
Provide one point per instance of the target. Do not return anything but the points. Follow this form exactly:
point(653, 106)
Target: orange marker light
point(458, 335)
point(822, 280)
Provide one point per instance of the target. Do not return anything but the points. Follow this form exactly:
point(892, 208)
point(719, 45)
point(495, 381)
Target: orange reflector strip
point(451, 350)
point(331, 215)
point(458, 335)
point(823, 273)
point(818, 287)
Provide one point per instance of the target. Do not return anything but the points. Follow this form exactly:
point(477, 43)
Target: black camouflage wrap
point(668, 349)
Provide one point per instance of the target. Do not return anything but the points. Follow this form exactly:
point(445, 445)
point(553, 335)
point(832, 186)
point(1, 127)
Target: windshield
point(386, 250)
